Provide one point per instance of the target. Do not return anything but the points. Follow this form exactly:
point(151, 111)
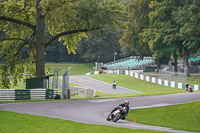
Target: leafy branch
point(18, 22)
point(66, 33)
point(15, 39)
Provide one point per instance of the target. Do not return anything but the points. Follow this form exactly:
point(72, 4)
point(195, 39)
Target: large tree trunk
point(175, 56)
point(40, 45)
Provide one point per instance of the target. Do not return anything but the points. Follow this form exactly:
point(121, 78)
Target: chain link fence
point(193, 69)
point(55, 78)
point(173, 76)
point(78, 92)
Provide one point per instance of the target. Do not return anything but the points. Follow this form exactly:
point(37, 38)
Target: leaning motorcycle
point(189, 89)
point(118, 114)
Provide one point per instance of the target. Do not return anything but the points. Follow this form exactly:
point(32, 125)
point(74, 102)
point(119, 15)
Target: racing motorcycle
point(118, 114)
point(189, 89)
point(114, 86)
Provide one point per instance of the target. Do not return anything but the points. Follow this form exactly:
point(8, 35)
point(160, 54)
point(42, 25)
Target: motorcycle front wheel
point(117, 117)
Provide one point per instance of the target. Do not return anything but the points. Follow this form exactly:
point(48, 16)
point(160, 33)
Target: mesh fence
point(173, 76)
point(77, 92)
point(193, 69)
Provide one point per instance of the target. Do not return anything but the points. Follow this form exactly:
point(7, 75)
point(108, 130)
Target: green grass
point(77, 69)
point(180, 117)
point(145, 87)
point(11, 122)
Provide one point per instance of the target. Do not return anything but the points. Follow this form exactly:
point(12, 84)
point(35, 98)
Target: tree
point(138, 20)
point(175, 24)
point(24, 23)
point(188, 16)
point(100, 49)
point(162, 33)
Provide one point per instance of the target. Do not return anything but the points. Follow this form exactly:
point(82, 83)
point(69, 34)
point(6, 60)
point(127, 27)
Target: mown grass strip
point(77, 69)
point(132, 83)
point(181, 117)
point(11, 122)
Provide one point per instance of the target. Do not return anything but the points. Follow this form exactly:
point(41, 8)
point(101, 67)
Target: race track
point(96, 111)
point(99, 85)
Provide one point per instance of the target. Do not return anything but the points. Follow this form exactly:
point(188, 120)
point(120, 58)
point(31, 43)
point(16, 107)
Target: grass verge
point(11, 122)
point(146, 88)
point(77, 69)
point(180, 117)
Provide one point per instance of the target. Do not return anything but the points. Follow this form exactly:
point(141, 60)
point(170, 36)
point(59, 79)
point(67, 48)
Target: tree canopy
point(34, 24)
point(137, 21)
point(100, 49)
point(165, 27)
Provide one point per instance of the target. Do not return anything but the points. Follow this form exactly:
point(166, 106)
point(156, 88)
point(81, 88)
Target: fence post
point(55, 78)
point(65, 86)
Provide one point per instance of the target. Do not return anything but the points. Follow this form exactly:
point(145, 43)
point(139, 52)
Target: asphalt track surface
point(96, 111)
point(99, 85)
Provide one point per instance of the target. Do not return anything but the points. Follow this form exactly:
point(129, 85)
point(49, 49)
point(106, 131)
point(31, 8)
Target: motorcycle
point(118, 114)
point(189, 89)
point(114, 86)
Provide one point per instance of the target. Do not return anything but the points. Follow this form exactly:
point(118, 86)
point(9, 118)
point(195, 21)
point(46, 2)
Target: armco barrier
point(7, 94)
point(27, 94)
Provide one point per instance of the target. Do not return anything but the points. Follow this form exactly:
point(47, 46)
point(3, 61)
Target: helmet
point(126, 102)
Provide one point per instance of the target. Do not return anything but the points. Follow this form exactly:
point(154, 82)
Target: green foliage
point(161, 34)
point(66, 21)
point(188, 16)
point(165, 27)
point(137, 21)
point(95, 48)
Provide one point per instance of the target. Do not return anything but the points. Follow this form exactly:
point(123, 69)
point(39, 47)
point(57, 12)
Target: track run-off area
point(96, 111)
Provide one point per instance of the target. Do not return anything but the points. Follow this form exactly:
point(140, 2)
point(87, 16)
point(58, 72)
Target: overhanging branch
point(15, 39)
point(18, 22)
point(65, 33)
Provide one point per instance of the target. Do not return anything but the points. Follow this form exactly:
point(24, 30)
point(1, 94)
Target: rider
point(114, 84)
point(188, 87)
point(125, 104)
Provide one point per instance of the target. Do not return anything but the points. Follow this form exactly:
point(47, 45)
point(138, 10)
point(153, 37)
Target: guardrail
point(27, 94)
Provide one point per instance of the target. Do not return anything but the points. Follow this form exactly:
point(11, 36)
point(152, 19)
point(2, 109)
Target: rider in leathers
point(125, 104)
